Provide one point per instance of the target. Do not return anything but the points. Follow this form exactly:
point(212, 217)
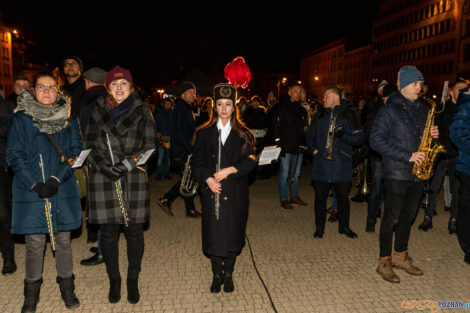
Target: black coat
point(6, 115)
point(289, 126)
point(226, 235)
point(76, 91)
point(91, 101)
point(443, 121)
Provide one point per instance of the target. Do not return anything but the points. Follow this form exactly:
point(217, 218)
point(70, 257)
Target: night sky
point(158, 41)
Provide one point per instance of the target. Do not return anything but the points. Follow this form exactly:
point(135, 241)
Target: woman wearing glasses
point(41, 141)
point(222, 159)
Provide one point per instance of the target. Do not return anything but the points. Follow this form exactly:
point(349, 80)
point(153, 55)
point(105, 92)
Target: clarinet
point(217, 168)
point(117, 185)
point(47, 207)
point(330, 137)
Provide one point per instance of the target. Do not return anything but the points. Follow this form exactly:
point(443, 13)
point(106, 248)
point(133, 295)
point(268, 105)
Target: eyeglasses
point(71, 64)
point(43, 88)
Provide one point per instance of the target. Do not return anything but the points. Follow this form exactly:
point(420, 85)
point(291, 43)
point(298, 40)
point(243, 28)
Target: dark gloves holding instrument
point(339, 131)
point(114, 172)
point(47, 189)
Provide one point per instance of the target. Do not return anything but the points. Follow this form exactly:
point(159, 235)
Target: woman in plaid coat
point(118, 189)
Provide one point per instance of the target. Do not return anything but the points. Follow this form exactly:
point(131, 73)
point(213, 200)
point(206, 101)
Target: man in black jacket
point(181, 147)
point(446, 164)
point(74, 85)
point(395, 134)
point(289, 128)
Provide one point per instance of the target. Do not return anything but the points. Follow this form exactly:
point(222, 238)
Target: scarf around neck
point(117, 109)
point(48, 119)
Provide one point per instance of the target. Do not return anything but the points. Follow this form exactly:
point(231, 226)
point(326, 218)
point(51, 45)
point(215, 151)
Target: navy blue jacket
point(24, 145)
point(164, 121)
point(459, 131)
point(396, 134)
point(183, 126)
point(339, 169)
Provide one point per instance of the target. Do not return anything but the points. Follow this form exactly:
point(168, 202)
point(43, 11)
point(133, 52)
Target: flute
point(217, 195)
point(117, 185)
point(47, 207)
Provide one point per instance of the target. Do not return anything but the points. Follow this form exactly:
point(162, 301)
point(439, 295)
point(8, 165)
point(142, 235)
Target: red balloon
point(238, 73)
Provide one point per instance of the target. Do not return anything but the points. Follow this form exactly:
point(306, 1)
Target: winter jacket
point(443, 121)
point(289, 126)
point(6, 115)
point(76, 91)
point(164, 121)
point(24, 145)
point(339, 169)
point(183, 126)
point(459, 131)
point(91, 101)
point(396, 133)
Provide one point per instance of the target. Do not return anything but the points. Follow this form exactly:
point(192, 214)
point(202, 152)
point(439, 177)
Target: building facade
point(6, 61)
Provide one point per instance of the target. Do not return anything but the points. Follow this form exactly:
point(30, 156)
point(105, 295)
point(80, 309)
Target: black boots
point(452, 226)
point(9, 266)
point(348, 232)
point(31, 296)
point(426, 224)
point(217, 282)
point(114, 289)
point(67, 290)
point(228, 282)
point(133, 295)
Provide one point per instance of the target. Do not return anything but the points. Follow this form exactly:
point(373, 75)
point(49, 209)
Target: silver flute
point(47, 207)
point(217, 168)
point(117, 184)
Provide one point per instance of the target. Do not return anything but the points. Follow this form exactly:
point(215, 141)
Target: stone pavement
point(302, 273)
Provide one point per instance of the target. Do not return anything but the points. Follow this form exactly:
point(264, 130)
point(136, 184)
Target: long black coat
point(133, 133)
point(226, 235)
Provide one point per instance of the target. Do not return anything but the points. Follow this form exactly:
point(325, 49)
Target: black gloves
point(114, 172)
point(47, 189)
point(339, 131)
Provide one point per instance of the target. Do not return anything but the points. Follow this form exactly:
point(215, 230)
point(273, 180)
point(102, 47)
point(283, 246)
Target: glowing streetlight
point(15, 32)
point(299, 82)
point(434, 96)
point(284, 79)
point(161, 91)
point(316, 78)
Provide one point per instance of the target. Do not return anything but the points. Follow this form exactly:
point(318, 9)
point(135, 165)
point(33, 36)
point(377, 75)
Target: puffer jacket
point(396, 133)
point(459, 131)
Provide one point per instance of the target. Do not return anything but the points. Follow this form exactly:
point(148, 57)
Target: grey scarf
point(48, 119)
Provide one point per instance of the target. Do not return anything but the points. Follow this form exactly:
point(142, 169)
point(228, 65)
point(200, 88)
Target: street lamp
point(161, 91)
point(316, 78)
point(299, 82)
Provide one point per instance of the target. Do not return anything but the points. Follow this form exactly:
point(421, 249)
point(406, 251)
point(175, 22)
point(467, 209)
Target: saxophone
point(424, 171)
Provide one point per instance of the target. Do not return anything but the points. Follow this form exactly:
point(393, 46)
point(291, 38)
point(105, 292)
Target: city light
point(299, 82)
point(284, 79)
point(15, 32)
point(316, 78)
point(434, 96)
point(161, 91)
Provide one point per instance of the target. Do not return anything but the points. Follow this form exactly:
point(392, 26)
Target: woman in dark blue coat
point(223, 138)
point(42, 115)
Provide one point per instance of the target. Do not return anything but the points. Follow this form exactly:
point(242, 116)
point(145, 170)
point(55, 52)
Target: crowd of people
point(48, 121)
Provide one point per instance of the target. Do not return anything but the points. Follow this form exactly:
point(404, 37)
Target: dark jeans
point(401, 205)
point(444, 166)
point(110, 248)
point(342, 196)
point(376, 196)
point(7, 246)
point(35, 245)
point(175, 193)
point(463, 216)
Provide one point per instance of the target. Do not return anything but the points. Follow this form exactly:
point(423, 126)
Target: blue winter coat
point(396, 134)
point(164, 121)
point(339, 169)
point(183, 126)
point(459, 131)
point(24, 145)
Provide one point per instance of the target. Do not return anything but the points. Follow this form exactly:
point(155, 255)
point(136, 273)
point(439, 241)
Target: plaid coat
point(133, 133)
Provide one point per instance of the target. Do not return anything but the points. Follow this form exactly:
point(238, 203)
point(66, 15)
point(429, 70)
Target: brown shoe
point(286, 205)
point(402, 261)
point(297, 201)
point(385, 269)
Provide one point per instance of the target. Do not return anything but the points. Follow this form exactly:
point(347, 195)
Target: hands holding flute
point(214, 182)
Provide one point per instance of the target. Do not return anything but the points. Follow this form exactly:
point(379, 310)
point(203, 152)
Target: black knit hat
point(76, 58)
point(389, 89)
point(225, 91)
point(186, 86)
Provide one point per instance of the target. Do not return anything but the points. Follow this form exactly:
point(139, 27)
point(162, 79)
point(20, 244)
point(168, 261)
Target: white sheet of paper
point(81, 158)
point(269, 154)
point(144, 158)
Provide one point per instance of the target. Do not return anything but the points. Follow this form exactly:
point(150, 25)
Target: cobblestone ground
point(302, 273)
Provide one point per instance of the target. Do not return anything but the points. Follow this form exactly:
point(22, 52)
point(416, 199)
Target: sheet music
point(269, 154)
point(144, 157)
point(81, 158)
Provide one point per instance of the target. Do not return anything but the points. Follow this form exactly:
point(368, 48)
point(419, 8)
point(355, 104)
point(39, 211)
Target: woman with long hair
point(222, 159)
point(41, 140)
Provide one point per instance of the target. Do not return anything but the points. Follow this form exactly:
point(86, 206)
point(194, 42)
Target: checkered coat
point(133, 133)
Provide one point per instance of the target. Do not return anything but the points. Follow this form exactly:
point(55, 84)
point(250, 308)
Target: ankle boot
point(133, 295)
point(228, 282)
point(426, 224)
point(402, 261)
point(31, 296)
point(217, 281)
point(385, 269)
point(114, 289)
point(67, 290)
point(9, 266)
point(452, 226)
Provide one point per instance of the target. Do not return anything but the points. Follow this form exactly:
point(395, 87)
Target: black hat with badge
point(225, 91)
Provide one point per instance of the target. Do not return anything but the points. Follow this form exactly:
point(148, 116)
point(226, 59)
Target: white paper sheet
point(144, 157)
point(81, 158)
point(269, 154)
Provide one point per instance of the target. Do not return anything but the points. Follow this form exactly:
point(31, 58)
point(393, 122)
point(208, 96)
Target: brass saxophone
point(424, 171)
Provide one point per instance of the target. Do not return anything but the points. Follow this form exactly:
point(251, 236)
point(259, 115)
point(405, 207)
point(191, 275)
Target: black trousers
point(401, 205)
point(175, 193)
point(7, 246)
point(342, 190)
point(226, 264)
point(110, 248)
point(463, 216)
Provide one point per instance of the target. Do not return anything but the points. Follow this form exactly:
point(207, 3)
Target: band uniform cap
point(95, 75)
point(225, 91)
